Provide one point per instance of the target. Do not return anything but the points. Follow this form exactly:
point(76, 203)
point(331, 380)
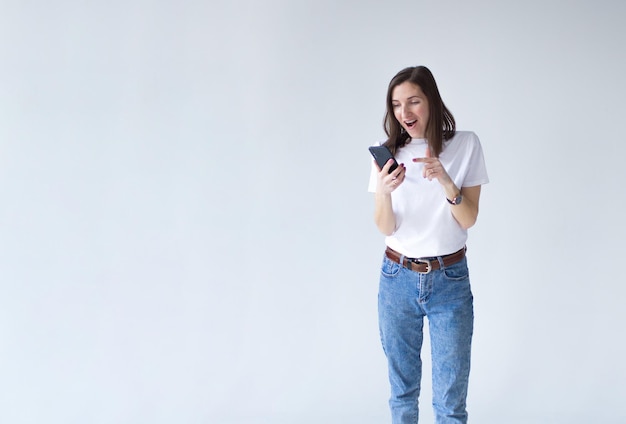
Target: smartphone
point(382, 155)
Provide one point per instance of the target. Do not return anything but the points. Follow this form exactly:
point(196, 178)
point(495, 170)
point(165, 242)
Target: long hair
point(440, 126)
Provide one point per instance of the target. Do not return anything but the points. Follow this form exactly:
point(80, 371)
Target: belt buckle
point(429, 267)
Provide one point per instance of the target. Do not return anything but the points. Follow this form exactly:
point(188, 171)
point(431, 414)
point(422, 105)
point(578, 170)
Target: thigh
point(450, 311)
point(400, 315)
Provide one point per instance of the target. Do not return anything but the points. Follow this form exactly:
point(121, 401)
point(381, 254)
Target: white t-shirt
point(425, 226)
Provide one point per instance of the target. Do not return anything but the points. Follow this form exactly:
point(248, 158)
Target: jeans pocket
point(389, 268)
point(457, 271)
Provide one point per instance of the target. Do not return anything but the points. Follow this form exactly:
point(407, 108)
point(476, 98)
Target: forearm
point(466, 212)
point(383, 214)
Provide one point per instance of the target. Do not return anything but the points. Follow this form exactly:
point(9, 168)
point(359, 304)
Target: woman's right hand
point(388, 182)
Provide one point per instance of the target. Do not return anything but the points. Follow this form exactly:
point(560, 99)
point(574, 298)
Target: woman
point(425, 207)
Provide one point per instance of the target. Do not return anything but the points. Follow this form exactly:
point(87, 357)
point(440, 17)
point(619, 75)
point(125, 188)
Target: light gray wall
point(186, 236)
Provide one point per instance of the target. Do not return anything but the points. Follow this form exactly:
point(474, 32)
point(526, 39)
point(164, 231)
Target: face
point(410, 107)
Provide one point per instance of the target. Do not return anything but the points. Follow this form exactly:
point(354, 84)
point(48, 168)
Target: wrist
point(451, 191)
point(453, 194)
point(383, 195)
point(456, 200)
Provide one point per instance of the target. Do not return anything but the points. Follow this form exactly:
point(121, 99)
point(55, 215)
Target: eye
point(395, 106)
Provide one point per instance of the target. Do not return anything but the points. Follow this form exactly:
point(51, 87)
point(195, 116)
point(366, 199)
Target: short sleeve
point(477, 170)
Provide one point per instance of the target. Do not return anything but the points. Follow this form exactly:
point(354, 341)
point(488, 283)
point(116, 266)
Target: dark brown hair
point(440, 126)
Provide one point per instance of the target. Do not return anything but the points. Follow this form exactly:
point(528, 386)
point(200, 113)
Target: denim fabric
point(445, 297)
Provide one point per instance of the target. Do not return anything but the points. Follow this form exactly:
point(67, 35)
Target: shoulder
point(465, 136)
point(462, 141)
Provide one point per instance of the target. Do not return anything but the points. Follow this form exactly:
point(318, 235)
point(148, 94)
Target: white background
point(186, 234)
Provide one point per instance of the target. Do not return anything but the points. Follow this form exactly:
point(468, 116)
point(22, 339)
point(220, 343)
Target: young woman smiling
point(424, 208)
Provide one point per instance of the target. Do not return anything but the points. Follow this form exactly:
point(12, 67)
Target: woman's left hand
point(465, 212)
point(434, 169)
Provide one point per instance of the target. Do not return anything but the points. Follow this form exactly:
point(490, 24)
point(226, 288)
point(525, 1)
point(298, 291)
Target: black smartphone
point(382, 155)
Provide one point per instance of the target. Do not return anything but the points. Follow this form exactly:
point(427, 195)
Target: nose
point(404, 109)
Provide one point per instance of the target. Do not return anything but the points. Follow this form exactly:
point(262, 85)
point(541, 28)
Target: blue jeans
point(444, 296)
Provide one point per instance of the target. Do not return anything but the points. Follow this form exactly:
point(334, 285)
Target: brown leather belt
point(425, 265)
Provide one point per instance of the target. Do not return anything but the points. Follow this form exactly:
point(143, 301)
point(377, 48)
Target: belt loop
point(440, 260)
point(401, 260)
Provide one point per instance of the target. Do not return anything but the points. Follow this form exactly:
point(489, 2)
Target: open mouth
point(410, 124)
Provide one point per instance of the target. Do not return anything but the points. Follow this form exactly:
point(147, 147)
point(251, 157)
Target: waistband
point(425, 265)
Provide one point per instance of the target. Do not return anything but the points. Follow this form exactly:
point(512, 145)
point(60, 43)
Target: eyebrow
point(408, 98)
